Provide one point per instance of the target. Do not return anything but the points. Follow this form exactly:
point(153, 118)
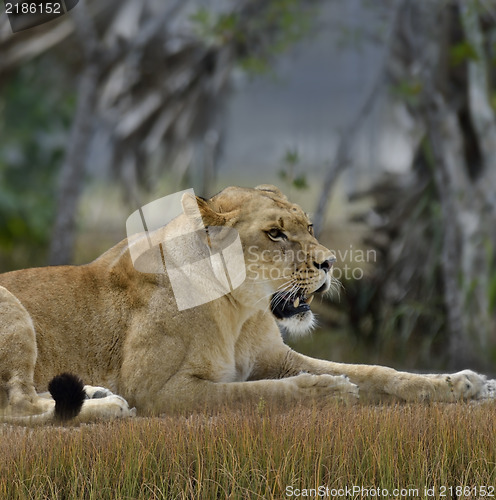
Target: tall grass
point(254, 453)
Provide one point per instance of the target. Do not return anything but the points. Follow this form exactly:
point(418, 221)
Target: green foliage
point(288, 172)
point(298, 182)
point(35, 114)
point(492, 292)
point(292, 157)
point(461, 53)
point(408, 91)
point(202, 20)
point(266, 30)
point(254, 65)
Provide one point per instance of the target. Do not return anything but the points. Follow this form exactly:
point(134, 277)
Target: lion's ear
point(271, 189)
point(198, 209)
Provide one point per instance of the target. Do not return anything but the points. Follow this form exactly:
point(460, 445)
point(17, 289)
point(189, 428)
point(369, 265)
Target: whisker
point(336, 287)
point(287, 296)
point(284, 286)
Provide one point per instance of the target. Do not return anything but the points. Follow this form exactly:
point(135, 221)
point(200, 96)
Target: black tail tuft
point(68, 392)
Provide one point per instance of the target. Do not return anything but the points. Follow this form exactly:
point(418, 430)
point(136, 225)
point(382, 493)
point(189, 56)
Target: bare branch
point(347, 138)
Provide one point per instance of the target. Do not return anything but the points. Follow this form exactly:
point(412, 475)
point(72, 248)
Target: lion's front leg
point(382, 383)
point(191, 393)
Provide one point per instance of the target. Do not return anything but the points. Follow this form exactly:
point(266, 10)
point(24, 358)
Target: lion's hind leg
point(18, 353)
point(67, 399)
point(19, 402)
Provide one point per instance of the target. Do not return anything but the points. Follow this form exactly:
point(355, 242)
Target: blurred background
point(378, 117)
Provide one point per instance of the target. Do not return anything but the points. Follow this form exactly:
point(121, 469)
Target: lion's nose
point(326, 265)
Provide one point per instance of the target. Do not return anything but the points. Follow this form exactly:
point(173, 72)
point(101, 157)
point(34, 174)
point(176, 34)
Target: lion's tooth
point(309, 300)
point(296, 303)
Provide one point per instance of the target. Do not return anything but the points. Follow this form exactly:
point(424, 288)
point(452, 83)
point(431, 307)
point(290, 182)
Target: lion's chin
point(291, 309)
point(298, 325)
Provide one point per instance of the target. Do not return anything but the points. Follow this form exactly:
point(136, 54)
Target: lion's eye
point(310, 229)
point(276, 235)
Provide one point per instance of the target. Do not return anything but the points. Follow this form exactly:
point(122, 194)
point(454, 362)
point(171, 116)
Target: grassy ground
point(260, 453)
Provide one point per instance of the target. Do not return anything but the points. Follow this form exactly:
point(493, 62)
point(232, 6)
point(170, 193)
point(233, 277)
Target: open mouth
point(286, 304)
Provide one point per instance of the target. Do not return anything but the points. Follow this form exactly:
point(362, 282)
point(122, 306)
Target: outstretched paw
point(490, 389)
point(467, 385)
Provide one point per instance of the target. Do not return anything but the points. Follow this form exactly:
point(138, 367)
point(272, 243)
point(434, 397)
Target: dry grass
point(253, 454)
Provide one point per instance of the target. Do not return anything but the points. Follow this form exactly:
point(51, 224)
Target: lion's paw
point(467, 385)
point(96, 392)
point(101, 403)
point(118, 407)
point(106, 408)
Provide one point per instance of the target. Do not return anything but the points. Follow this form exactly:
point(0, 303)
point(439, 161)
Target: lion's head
point(285, 264)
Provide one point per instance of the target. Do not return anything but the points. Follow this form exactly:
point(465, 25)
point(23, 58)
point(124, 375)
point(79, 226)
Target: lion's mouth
point(286, 304)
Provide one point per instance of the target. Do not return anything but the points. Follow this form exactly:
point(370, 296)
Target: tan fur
point(120, 328)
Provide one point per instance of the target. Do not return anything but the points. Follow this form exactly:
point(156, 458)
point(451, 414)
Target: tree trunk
point(452, 137)
point(73, 169)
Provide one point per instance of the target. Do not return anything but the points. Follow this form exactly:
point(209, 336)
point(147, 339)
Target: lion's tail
point(67, 390)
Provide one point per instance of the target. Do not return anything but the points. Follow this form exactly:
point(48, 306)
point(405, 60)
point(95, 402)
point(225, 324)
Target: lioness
point(121, 328)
